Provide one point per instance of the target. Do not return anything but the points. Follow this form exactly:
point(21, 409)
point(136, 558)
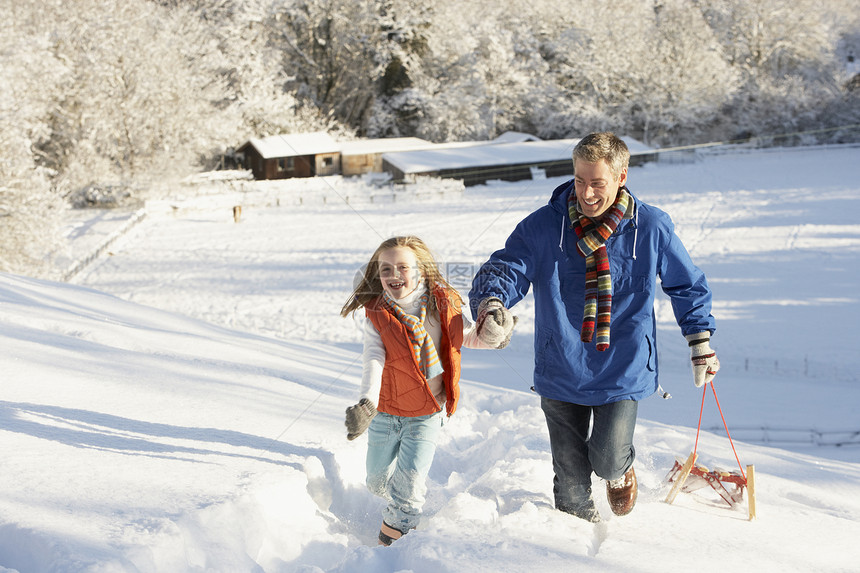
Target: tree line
point(136, 93)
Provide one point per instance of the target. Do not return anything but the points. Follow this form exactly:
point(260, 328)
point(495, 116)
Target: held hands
point(358, 418)
point(705, 361)
point(495, 323)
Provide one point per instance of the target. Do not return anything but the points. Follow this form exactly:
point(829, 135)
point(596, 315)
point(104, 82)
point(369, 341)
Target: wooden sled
point(687, 477)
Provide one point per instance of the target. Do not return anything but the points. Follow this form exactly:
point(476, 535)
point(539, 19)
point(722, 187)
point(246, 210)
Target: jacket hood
point(558, 201)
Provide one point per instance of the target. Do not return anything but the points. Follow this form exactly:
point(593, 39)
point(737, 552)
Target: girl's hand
point(358, 418)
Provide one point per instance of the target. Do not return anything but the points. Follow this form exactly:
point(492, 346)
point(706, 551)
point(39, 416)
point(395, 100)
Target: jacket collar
point(558, 201)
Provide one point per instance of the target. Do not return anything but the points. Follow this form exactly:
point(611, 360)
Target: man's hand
point(495, 323)
point(704, 359)
point(358, 418)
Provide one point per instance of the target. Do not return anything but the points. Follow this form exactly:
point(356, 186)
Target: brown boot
point(388, 535)
point(622, 493)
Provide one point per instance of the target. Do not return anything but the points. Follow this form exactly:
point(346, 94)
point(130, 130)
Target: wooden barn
point(365, 155)
point(291, 155)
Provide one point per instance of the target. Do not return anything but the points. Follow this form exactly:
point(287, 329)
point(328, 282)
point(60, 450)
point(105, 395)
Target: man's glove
point(705, 362)
point(358, 418)
point(495, 323)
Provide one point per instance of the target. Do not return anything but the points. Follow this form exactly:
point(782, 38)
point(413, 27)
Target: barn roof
point(515, 136)
point(493, 154)
point(414, 155)
point(481, 155)
point(294, 144)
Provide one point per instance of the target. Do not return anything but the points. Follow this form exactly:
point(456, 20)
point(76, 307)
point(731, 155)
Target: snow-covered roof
point(515, 136)
point(481, 155)
point(438, 158)
point(636, 147)
point(415, 155)
point(383, 145)
point(295, 144)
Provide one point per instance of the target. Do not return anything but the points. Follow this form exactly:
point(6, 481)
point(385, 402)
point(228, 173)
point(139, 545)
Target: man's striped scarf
point(422, 344)
point(598, 280)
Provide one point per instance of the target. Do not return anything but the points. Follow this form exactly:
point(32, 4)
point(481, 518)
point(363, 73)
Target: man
point(592, 256)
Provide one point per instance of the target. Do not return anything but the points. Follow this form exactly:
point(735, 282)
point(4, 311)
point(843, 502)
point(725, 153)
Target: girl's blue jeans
point(608, 451)
point(400, 451)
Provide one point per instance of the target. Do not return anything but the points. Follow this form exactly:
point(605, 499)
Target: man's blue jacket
point(541, 254)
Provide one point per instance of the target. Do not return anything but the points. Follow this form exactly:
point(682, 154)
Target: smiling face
point(399, 271)
point(596, 186)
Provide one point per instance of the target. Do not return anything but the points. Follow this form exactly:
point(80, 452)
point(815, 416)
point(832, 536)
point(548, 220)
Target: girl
point(412, 342)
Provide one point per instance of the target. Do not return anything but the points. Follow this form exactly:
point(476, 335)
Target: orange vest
point(405, 391)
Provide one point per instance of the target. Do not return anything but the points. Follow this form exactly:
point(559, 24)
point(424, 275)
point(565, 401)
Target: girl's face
point(399, 271)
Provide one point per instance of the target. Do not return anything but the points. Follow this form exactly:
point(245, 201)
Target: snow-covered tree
point(659, 76)
point(686, 81)
point(327, 49)
point(784, 53)
point(29, 211)
point(258, 100)
point(341, 55)
point(481, 74)
point(143, 97)
point(399, 106)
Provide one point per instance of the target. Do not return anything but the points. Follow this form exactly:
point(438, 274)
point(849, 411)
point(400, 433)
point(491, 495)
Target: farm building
point(310, 154)
point(511, 156)
point(292, 155)
point(365, 155)
point(515, 137)
point(478, 164)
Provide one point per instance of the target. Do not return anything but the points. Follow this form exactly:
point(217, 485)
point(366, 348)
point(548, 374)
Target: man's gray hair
point(603, 145)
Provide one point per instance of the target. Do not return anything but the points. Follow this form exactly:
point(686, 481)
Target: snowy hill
point(137, 440)
point(192, 419)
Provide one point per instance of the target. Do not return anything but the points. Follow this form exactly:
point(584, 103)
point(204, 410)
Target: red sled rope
point(728, 485)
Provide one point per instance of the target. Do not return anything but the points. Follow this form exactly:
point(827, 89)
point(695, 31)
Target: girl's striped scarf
point(598, 281)
point(422, 345)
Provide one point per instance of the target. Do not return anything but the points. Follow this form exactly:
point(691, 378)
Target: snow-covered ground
point(180, 406)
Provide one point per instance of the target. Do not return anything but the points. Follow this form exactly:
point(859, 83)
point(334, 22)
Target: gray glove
point(358, 418)
point(705, 361)
point(495, 323)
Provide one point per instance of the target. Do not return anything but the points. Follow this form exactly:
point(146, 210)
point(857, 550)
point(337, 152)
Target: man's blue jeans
point(608, 451)
point(400, 451)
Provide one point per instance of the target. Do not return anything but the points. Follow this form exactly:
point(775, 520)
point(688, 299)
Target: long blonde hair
point(370, 286)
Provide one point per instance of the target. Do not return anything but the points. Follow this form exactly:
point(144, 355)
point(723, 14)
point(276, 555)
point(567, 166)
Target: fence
point(230, 196)
point(317, 191)
point(78, 265)
point(792, 436)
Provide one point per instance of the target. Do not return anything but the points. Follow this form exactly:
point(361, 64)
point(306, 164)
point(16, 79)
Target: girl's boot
point(388, 535)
